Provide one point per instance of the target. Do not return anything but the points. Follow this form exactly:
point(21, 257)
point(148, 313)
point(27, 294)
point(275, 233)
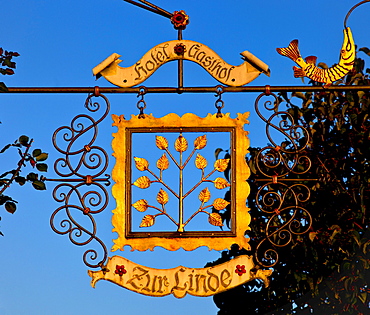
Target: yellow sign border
point(179, 240)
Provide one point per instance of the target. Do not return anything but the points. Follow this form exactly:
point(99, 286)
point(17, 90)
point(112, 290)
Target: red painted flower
point(120, 270)
point(180, 49)
point(179, 20)
point(240, 270)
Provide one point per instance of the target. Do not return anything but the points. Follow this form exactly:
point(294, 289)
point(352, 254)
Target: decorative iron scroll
point(81, 180)
point(281, 193)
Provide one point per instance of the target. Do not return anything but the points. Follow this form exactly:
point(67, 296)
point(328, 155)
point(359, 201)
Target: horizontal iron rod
point(211, 89)
point(286, 180)
point(82, 180)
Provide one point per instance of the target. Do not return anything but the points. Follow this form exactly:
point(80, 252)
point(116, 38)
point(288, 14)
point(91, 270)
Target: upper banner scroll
point(225, 73)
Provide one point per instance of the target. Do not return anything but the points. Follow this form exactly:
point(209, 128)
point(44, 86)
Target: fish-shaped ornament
point(308, 66)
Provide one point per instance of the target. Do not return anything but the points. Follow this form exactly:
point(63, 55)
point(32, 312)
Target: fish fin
point(298, 72)
point(291, 51)
point(311, 59)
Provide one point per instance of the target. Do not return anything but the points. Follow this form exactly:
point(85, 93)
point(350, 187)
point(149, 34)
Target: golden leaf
point(181, 144)
point(200, 162)
point(142, 182)
point(161, 142)
point(141, 205)
point(163, 162)
point(221, 164)
point(147, 221)
point(204, 195)
point(220, 203)
point(200, 142)
point(162, 197)
point(215, 219)
point(312, 236)
point(141, 164)
point(221, 183)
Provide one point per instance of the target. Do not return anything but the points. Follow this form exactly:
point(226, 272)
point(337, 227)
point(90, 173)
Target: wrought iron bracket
point(282, 191)
point(81, 181)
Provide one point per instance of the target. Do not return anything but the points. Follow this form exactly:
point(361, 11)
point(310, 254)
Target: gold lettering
point(176, 287)
point(191, 281)
point(198, 279)
point(153, 285)
point(200, 59)
point(138, 277)
point(228, 74)
point(146, 288)
point(225, 275)
point(223, 73)
point(196, 49)
point(164, 50)
point(207, 61)
point(217, 67)
point(210, 67)
point(160, 56)
point(216, 280)
point(149, 62)
point(152, 54)
point(139, 68)
point(162, 281)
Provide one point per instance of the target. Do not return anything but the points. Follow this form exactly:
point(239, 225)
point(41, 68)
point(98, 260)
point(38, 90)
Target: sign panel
point(176, 165)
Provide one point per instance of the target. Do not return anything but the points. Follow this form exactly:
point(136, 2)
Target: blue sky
point(59, 43)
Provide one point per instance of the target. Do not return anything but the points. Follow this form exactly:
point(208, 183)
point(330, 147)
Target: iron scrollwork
point(81, 184)
point(281, 191)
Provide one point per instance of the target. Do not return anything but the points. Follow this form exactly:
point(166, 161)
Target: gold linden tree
point(181, 146)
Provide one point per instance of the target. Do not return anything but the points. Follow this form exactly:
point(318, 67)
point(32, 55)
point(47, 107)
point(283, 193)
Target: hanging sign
point(173, 190)
point(225, 73)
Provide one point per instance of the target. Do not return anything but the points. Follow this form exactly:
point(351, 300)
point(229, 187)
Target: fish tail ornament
point(291, 51)
point(308, 66)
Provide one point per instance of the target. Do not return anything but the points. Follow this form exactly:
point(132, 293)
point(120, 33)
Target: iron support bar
point(211, 89)
point(287, 180)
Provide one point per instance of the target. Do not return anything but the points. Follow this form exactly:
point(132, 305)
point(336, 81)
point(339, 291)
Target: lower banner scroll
point(180, 280)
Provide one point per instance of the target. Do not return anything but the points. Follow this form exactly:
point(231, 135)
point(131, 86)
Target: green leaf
point(20, 180)
point(23, 140)
point(362, 296)
point(42, 167)
point(299, 95)
point(7, 63)
point(39, 185)
point(217, 152)
point(5, 148)
point(10, 207)
point(36, 152)
point(356, 237)
point(42, 157)
point(4, 199)
point(364, 249)
point(32, 177)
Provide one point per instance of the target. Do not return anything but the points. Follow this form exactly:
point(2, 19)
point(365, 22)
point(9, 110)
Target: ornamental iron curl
point(82, 193)
point(281, 191)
